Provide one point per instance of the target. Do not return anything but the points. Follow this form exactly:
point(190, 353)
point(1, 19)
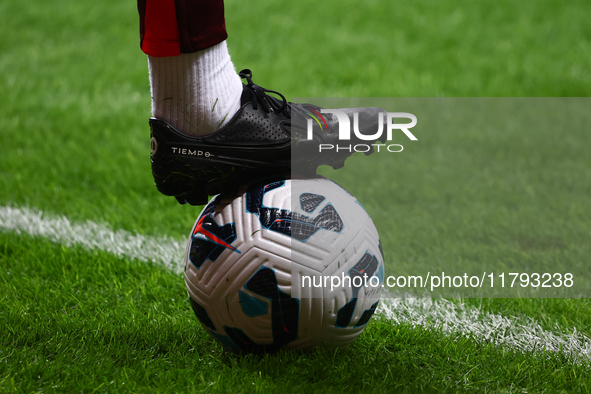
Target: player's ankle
point(196, 92)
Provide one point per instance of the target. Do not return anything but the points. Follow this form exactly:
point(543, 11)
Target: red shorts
point(172, 27)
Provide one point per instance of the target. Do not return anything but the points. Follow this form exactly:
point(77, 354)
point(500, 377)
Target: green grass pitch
point(74, 104)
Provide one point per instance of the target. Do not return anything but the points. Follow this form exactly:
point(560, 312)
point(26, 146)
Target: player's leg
point(210, 133)
point(194, 84)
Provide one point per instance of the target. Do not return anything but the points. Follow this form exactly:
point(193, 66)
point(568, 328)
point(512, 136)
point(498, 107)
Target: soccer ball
point(290, 264)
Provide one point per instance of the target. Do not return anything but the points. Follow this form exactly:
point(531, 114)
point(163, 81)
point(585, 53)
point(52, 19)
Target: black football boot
point(267, 137)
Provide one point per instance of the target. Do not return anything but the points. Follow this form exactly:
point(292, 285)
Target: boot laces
point(268, 103)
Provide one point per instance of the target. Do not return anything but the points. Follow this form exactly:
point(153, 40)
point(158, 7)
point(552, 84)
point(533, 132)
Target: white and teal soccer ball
point(290, 264)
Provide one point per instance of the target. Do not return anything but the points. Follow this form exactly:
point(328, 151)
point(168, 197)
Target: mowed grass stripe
point(524, 335)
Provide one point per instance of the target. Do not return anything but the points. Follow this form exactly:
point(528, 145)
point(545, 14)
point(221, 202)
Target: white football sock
point(195, 92)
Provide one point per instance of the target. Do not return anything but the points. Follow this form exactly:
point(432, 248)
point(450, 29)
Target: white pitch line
point(525, 335)
point(90, 235)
